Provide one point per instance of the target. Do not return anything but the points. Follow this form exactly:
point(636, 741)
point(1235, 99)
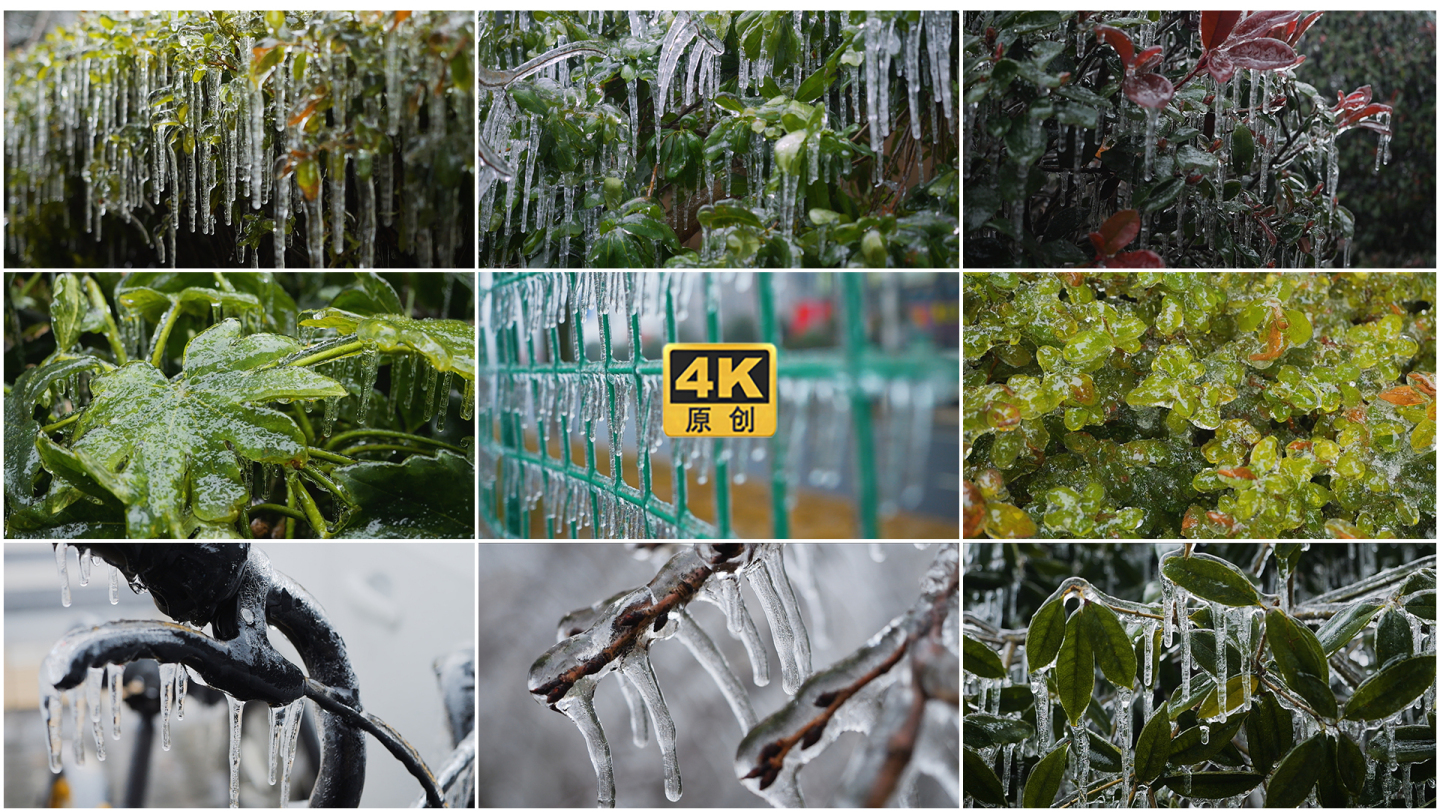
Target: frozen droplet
point(247, 615)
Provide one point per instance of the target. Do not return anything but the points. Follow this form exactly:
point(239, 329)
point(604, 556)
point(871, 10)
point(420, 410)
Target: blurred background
point(533, 757)
point(399, 607)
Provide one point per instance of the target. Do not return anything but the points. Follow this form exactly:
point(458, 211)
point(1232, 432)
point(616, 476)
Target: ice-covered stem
point(488, 78)
point(900, 745)
point(805, 718)
point(1373, 583)
point(617, 631)
point(404, 752)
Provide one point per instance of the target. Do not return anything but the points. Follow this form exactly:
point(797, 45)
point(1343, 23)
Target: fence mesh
point(562, 353)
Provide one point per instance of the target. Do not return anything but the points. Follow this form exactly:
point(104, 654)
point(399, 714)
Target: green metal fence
point(538, 392)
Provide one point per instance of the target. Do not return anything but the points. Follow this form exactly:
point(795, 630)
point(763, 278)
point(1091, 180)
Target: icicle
point(1041, 692)
point(50, 710)
point(93, 678)
point(1242, 633)
point(115, 675)
point(1148, 631)
point(315, 227)
point(237, 710)
point(1080, 745)
point(76, 698)
point(327, 422)
point(61, 549)
point(579, 705)
point(290, 737)
point(786, 637)
point(442, 400)
point(369, 368)
point(1385, 781)
point(85, 553)
point(167, 700)
point(873, 79)
point(1187, 660)
point(636, 667)
point(1168, 604)
point(182, 683)
point(1151, 115)
point(1007, 752)
point(277, 723)
point(1219, 614)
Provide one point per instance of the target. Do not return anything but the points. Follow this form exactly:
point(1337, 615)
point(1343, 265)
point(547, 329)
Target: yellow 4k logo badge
point(720, 390)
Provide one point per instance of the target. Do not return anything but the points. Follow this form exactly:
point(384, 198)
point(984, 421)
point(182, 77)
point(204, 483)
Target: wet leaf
point(67, 308)
point(163, 447)
point(1225, 784)
point(1343, 626)
point(1212, 579)
point(422, 497)
point(1046, 633)
point(1202, 648)
point(1110, 645)
point(1296, 774)
point(1044, 781)
point(1269, 731)
point(985, 730)
point(981, 661)
point(1391, 689)
point(1350, 763)
point(1119, 231)
point(1104, 756)
point(981, 780)
point(368, 296)
point(447, 344)
point(1188, 749)
point(1422, 604)
point(1075, 670)
point(1392, 638)
point(1152, 751)
point(1234, 696)
point(1412, 743)
point(1295, 648)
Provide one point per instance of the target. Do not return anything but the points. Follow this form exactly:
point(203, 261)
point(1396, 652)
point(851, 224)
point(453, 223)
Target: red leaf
point(1117, 232)
point(1259, 24)
point(1149, 90)
point(1148, 60)
point(1220, 66)
point(1118, 40)
point(1261, 54)
point(1099, 243)
point(1304, 26)
point(1136, 259)
point(1215, 26)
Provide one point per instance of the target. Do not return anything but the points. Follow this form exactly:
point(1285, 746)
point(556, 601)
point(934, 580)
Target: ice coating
point(93, 678)
point(1220, 614)
point(724, 591)
point(788, 641)
point(713, 660)
point(636, 667)
point(289, 738)
point(579, 705)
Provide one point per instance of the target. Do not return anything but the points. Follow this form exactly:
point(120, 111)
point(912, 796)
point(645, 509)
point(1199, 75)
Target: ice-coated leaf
point(1191, 747)
point(1144, 258)
point(1296, 649)
point(984, 730)
point(1104, 756)
point(67, 309)
point(447, 344)
point(1261, 54)
point(1152, 751)
point(1119, 231)
point(164, 447)
point(1412, 743)
point(1110, 645)
point(422, 497)
point(1269, 731)
point(1422, 604)
point(1118, 40)
point(1149, 90)
point(1392, 638)
point(1088, 346)
point(1212, 579)
point(1342, 627)
point(1215, 27)
point(1045, 779)
point(979, 660)
point(1391, 689)
point(1202, 648)
point(1224, 784)
point(1259, 23)
point(1047, 632)
point(981, 781)
point(1421, 580)
point(1328, 789)
point(1298, 770)
point(22, 460)
point(1075, 670)
point(1350, 763)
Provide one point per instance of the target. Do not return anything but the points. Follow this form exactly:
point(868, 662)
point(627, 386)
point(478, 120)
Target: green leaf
point(422, 497)
point(1110, 645)
point(1328, 789)
point(1242, 149)
point(527, 98)
point(1422, 604)
point(1226, 784)
point(1300, 659)
point(787, 151)
point(1341, 628)
point(1152, 751)
point(1202, 648)
point(981, 782)
point(22, 459)
point(1420, 580)
point(1297, 773)
point(1211, 579)
point(1392, 638)
point(728, 101)
point(984, 730)
point(981, 661)
point(1188, 749)
point(447, 344)
point(1392, 689)
point(1350, 763)
point(164, 448)
point(67, 308)
point(1044, 781)
point(369, 296)
point(1046, 633)
point(1075, 670)
point(720, 215)
point(1269, 731)
point(1026, 142)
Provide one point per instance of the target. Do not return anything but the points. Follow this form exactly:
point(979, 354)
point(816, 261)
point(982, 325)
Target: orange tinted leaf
point(1237, 473)
point(1422, 382)
point(1273, 345)
point(1402, 396)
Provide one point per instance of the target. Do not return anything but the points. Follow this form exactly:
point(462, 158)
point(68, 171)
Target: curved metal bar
point(461, 759)
point(335, 702)
point(341, 777)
